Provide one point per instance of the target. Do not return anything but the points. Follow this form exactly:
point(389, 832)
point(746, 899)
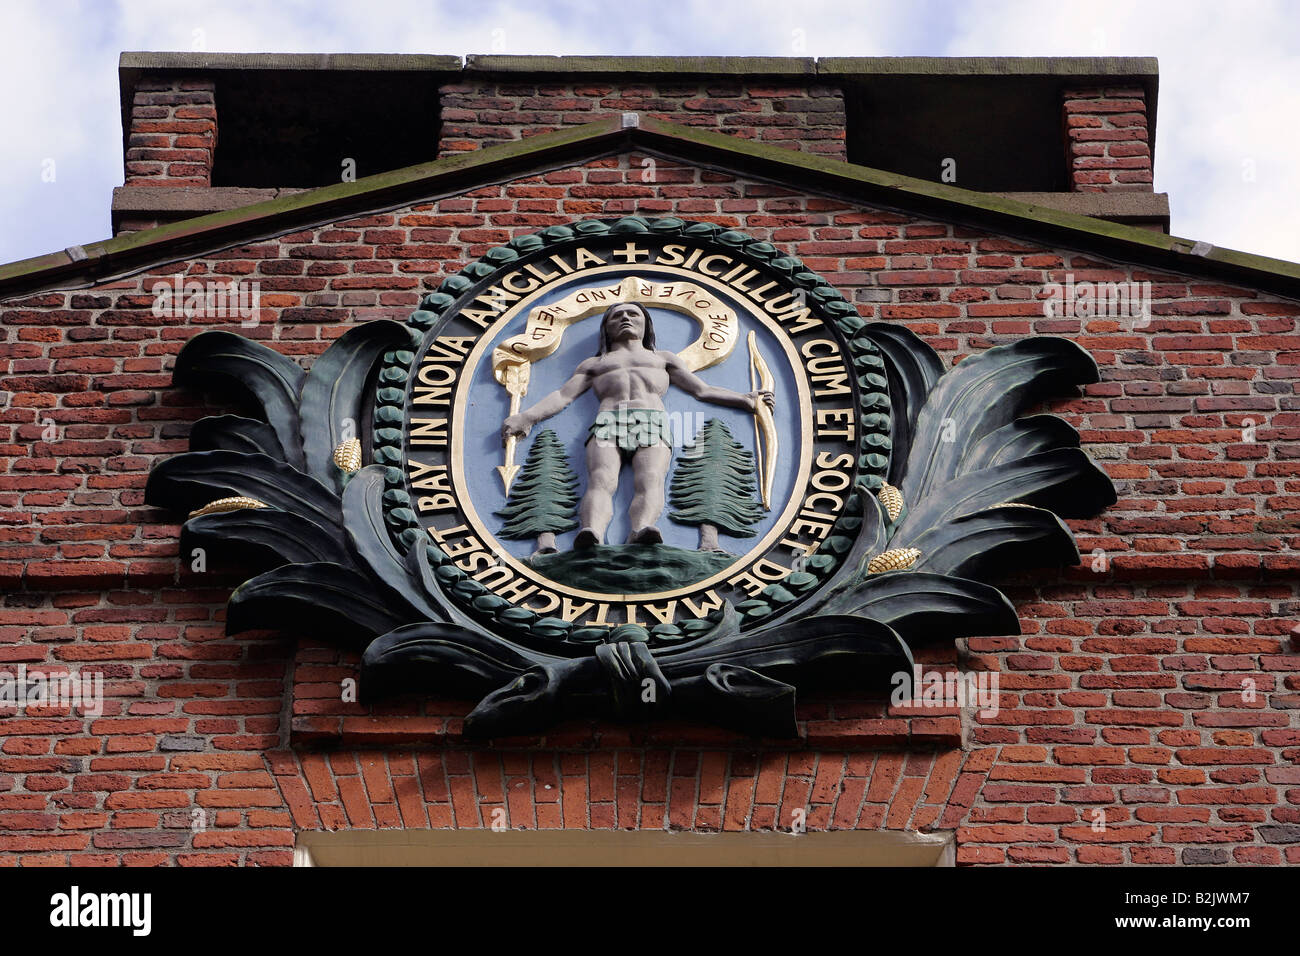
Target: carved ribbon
point(545, 326)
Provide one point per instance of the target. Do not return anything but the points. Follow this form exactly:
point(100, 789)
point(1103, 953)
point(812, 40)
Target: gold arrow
point(516, 383)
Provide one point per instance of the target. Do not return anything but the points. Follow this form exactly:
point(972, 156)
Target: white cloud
point(1229, 86)
point(1229, 93)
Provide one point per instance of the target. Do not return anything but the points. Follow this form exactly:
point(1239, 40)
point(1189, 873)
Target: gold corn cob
point(222, 505)
point(348, 455)
point(892, 499)
point(896, 559)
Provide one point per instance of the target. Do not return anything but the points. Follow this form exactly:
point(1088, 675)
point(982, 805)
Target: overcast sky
point(1228, 149)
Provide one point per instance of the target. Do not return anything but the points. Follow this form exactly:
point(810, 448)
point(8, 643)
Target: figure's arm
point(519, 425)
point(693, 385)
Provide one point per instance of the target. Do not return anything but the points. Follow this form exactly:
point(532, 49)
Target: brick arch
point(679, 788)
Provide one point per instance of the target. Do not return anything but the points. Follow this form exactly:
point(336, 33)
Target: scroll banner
point(719, 326)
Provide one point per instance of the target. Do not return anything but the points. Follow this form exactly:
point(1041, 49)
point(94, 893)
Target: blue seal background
point(489, 404)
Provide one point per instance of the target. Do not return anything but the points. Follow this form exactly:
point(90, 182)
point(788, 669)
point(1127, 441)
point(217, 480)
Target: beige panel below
point(620, 848)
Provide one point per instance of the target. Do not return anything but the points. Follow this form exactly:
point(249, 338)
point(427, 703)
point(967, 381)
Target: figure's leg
point(597, 508)
point(650, 472)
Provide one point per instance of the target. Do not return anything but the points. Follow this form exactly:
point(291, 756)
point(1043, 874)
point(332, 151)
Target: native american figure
point(630, 377)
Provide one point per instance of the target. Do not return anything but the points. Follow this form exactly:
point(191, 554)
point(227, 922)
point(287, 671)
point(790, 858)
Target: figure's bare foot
point(647, 535)
point(586, 540)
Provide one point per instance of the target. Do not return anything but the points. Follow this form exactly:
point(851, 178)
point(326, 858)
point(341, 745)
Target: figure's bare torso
point(630, 378)
point(627, 374)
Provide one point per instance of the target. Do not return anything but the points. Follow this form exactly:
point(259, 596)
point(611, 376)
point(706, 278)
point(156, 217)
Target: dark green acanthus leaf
point(234, 433)
point(219, 360)
point(333, 398)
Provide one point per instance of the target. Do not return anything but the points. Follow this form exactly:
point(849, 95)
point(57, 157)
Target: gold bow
point(765, 440)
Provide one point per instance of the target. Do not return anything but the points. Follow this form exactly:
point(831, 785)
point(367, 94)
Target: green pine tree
point(543, 497)
point(713, 486)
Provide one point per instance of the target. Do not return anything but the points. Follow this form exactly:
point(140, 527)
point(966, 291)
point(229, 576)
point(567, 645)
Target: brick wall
point(481, 111)
point(1107, 143)
point(1126, 694)
point(173, 132)
point(627, 789)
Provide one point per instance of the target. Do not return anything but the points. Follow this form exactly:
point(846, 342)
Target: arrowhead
point(508, 475)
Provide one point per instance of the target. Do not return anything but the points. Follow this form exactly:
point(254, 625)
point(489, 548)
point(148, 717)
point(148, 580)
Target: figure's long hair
point(647, 340)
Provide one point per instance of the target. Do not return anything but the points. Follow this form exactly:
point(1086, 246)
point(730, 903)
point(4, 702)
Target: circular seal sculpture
point(633, 468)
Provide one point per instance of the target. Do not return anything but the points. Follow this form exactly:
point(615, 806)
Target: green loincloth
point(631, 429)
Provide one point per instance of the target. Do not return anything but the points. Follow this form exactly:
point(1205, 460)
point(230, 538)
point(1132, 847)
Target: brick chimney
point(1071, 133)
